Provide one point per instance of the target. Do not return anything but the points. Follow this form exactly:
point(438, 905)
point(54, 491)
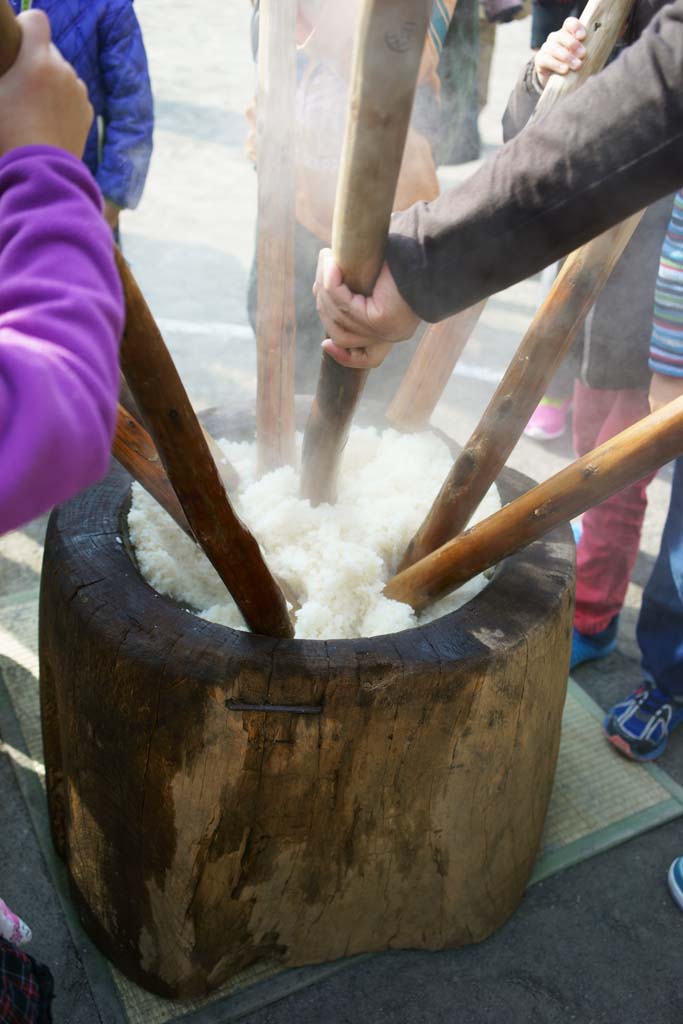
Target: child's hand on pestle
point(664, 389)
point(42, 100)
point(563, 51)
point(361, 331)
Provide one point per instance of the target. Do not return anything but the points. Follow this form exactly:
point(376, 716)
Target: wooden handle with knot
point(387, 52)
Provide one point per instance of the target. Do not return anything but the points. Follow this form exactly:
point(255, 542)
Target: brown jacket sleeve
point(522, 103)
point(611, 148)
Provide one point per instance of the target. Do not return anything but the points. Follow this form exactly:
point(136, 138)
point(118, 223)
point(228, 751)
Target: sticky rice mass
point(335, 558)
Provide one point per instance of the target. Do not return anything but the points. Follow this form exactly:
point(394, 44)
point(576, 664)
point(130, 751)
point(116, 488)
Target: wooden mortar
point(222, 799)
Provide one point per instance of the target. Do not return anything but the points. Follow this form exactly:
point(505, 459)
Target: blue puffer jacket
point(102, 39)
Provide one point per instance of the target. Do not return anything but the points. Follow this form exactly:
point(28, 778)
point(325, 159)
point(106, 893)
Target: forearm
point(611, 148)
point(60, 322)
point(522, 102)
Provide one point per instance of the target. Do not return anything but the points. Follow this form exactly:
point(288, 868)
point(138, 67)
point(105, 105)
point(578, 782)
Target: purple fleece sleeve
point(61, 317)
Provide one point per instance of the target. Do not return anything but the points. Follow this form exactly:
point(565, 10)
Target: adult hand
point(563, 51)
point(42, 100)
point(361, 330)
point(663, 389)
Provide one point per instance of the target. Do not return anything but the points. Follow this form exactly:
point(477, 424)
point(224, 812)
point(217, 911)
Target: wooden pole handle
point(229, 474)
point(544, 346)
point(625, 458)
point(387, 52)
point(10, 37)
point(163, 402)
point(431, 369)
point(135, 450)
point(388, 48)
point(276, 222)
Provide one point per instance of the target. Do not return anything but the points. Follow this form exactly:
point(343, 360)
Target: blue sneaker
point(675, 880)
point(639, 727)
point(590, 647)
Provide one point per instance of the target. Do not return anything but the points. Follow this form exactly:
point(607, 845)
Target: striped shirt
point(666, 344)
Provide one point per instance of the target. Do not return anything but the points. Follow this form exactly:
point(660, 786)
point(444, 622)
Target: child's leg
point(660, 624)
point(609, 544)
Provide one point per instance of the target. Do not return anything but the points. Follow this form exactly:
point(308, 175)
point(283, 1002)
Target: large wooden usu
point(222, 798)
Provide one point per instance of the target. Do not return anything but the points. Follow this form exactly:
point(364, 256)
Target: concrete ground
point(597, 943)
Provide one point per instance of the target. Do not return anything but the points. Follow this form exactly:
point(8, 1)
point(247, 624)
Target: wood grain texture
point(627, 457)
point(228, 473)
point(10, 37)
point(387, 52)
point(544, 346)
point(403, 811)
point(182, 447)
point(135, 450)
point(431, 369)
point(275, 314)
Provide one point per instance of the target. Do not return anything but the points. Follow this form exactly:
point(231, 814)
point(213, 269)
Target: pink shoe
point(549, 420)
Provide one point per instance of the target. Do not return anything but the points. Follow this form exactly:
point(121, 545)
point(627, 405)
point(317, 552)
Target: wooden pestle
point(181, 444)
point(625, 458)
point(229, 474)
point(275, 316)
point(430, 369)
point(135, 450)
point(550, 334)
point(388, 48)
point(544, 346)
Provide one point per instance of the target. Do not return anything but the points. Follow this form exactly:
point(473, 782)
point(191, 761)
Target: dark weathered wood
point(135, 450)
point(387, 52)
point(182, 446)
point(627, 457)
point(229, 474)
point(127, 401)
point(544, 346)
point(201, 837)
point(10, 37)
point(275, 316)
point(431, 368)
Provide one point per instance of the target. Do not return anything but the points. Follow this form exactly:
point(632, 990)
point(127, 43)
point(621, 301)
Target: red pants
point(609, 544)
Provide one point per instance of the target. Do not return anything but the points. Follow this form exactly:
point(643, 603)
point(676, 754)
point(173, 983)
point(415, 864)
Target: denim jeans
point(609, 544)
point(660, 623)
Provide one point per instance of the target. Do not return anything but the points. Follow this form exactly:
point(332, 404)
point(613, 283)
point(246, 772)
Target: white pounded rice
point(337, 558)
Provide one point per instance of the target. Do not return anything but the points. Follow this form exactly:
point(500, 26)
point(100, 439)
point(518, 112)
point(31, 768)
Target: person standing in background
point(607, 372)
point(640, 725)
point(102, 41)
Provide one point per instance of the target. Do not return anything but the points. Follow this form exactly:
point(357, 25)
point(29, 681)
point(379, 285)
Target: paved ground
point(598, 943)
